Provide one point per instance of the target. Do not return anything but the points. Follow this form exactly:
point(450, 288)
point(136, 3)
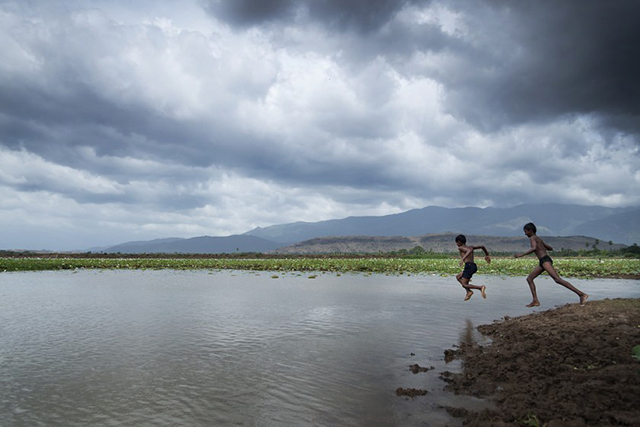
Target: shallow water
point(199, 348)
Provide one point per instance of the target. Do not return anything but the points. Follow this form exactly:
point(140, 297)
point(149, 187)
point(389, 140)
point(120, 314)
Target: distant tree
point(633, 250)
point(417, 250)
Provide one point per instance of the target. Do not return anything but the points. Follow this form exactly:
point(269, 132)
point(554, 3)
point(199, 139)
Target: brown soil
point(417, 368)
point(570, 366)
point(411, 392)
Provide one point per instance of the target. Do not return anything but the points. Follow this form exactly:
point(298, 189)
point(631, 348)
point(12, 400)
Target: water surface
point(199, 348)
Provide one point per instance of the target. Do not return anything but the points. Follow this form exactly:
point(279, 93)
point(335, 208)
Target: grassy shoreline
point(569, 267)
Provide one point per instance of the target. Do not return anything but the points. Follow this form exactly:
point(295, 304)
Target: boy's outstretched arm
point(486, 253)
point(534, 246)
point(530, 251)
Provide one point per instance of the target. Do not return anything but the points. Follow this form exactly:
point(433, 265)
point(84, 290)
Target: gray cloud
point(358, 15)
point(248, 12)
point(146, 125)
point(519, 62)
point(536, 62)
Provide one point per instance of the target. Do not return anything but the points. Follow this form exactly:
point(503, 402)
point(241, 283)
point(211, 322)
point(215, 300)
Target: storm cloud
point(528, 61)
point(122, 122)
point(359, 15)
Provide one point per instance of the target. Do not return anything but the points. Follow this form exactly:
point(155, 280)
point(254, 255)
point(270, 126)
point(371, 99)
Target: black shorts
point(544, 259)
point(469, 269)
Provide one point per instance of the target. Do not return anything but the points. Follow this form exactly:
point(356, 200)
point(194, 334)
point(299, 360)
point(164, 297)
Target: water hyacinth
point(570, 267)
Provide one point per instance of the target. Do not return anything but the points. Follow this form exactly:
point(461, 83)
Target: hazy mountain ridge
point(551, 219)
point(409, 229)
point(443, 243)
point(623, 227)
point(202, 244)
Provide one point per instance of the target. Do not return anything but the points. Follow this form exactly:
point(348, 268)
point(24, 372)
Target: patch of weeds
point(531, 421)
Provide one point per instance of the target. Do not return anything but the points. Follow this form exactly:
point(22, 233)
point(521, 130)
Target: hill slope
point(202, 245)
point(434, 242)
point(623, 227)
point(553, 219)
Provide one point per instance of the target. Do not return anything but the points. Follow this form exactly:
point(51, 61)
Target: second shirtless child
point(545, 263)
point(470, 267)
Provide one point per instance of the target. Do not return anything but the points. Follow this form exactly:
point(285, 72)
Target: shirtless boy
point(540, 248)
point(470, 267)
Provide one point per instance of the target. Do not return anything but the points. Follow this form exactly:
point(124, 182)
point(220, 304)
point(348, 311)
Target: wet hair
point(460, 238)
point(530, 226)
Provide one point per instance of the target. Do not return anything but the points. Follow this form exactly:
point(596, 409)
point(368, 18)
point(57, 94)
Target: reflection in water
point(470, 335)
point(467, 336)
point(233, 348)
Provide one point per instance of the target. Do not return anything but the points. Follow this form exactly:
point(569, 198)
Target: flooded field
point(228, 348)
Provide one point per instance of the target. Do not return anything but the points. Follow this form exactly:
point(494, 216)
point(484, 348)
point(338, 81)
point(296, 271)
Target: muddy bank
point(570, 366)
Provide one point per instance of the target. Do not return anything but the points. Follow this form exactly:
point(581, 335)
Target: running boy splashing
point(470, 267)
point(545, 263)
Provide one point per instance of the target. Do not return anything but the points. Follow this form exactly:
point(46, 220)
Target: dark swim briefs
point(469, 269)
point(544, 259)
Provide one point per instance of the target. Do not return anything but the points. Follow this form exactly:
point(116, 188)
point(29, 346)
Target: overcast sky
point(126, 121)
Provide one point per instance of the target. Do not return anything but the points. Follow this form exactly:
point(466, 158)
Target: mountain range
point(441, 242)
point(196, 245)
point(619, 225)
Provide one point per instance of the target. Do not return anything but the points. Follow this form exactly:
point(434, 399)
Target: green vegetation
point(632, 251)
point(418, 252)
point(531, 421)
point(569, 267)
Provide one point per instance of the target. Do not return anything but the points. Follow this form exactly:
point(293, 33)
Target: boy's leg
point(532, 286)
point(465, 284)
point(482, 289)
point(464, 281)
point(556, 277)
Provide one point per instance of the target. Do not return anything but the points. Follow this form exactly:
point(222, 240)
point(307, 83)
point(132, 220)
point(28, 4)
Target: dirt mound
point(571, 366)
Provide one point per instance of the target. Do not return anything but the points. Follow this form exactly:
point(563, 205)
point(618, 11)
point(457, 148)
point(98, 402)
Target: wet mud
point(570, 366)
point(416, 369)
point(410, 392)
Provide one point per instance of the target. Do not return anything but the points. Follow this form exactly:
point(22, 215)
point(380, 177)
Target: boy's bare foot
point(583, 298)
point(482, 291)
point(469, 293)
point(533, 304)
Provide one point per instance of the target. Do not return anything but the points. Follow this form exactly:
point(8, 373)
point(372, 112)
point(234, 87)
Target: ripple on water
point(193, 348)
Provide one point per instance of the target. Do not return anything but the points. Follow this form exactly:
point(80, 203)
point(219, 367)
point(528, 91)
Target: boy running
point(470, 267)
point(545, 264)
